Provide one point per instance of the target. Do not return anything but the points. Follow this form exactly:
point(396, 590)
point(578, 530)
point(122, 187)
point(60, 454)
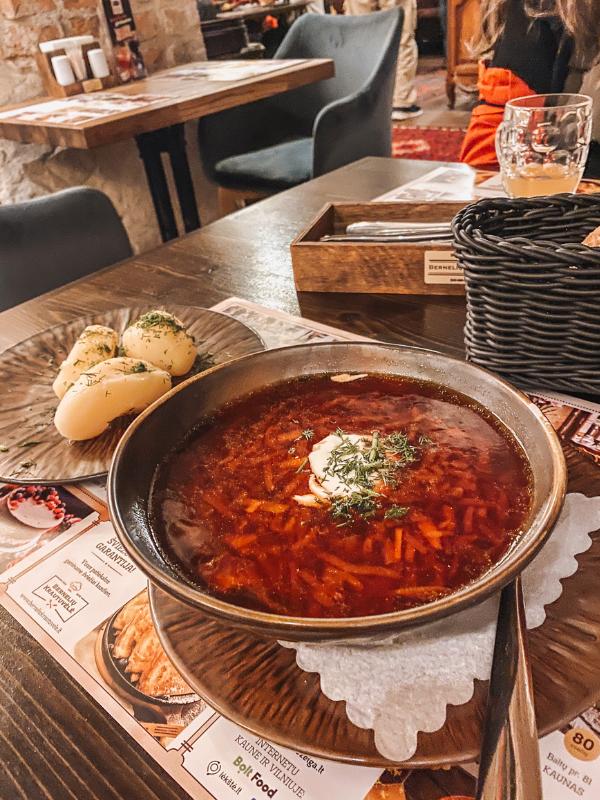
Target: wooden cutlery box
point(375, 267)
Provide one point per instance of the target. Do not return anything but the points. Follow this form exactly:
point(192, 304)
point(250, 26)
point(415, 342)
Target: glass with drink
point(543, 142)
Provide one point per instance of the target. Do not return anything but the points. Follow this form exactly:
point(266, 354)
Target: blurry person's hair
point(581, 19)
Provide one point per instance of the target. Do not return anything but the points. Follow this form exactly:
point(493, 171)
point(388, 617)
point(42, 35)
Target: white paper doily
point(402, 688)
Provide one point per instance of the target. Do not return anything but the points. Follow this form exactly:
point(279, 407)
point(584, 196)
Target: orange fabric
point(496, 87)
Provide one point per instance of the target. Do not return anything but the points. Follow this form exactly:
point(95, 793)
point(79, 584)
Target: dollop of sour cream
point(324, 485)
point(320, 456)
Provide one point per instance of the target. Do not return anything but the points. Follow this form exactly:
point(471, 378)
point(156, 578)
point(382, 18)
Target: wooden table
point(159, 127)
point(55, 742)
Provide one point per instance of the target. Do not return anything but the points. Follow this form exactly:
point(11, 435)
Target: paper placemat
point(63, 584)
point(231, 70)
point(82, 108)
point(455, 183)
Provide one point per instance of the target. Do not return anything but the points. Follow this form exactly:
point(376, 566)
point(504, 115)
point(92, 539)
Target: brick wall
point(169, 32)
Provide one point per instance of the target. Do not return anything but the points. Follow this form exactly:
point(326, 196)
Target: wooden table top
point(258, 11)
point(183, 99)
point(55, 741)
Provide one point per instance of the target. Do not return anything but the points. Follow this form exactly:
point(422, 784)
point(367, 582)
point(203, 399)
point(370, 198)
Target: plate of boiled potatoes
point(70, 392)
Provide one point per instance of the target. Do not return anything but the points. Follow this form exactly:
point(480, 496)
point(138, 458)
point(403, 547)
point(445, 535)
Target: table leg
point(183, 177)
point(150, 149)
point(151, 146)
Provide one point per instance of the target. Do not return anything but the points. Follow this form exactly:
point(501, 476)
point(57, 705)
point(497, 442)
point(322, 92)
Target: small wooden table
point(158, 127)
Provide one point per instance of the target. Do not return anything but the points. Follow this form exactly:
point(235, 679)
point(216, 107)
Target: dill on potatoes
point(139, 367)
point(159, 319)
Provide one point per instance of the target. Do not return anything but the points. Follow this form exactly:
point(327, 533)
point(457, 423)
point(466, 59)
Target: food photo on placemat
point(32, 516)
point(126, 655)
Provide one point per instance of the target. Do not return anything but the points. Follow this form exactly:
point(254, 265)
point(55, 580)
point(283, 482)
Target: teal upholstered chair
point(274, 144)
point(52, 240)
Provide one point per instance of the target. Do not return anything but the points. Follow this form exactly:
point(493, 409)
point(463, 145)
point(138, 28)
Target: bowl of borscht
point(337, 491)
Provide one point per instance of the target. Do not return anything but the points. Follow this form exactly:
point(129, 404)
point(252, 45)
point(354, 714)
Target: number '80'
point(584, 741)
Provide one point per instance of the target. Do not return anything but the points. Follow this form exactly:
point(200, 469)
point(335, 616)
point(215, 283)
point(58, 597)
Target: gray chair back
point(49, 241)
point(348, 116)
point(361, 47)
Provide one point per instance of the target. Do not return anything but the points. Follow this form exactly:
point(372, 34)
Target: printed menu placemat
point(82, 108)
point(66, 578)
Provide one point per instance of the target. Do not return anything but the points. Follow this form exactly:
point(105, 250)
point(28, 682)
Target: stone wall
point(170, 34)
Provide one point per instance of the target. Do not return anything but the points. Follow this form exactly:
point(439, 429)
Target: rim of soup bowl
point(294, 628)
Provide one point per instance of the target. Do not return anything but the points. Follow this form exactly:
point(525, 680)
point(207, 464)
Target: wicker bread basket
point(533, 290)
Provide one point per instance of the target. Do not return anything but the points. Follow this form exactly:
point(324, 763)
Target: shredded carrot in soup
point(319, 498)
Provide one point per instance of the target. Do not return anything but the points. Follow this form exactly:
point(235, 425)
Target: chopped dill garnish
point(363, 466)
point(396, 512)
point(139, 367)
point(307, 434)
point(24, 466)
point(398, 444)
point(203, 361)
point(159, 319)
point(89, 377)
point(344, 508)
point(353, 464)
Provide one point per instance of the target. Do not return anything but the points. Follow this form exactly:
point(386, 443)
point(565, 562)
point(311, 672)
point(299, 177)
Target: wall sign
point(126, 45)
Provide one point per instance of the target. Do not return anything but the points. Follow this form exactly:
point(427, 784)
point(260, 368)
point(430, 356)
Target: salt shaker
point(63, 71)
point(98, 63)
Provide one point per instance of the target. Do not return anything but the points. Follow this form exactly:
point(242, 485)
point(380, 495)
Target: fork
point(162, 729)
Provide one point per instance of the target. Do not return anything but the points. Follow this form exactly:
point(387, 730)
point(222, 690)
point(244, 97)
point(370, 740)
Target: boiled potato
point(96, 343)
point(107, 391)
point(161, 339)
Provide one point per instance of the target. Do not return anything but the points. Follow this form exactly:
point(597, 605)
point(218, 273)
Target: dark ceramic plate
point(31, 449)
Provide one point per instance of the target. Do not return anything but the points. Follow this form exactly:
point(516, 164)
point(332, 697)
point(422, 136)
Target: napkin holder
point(375, 267)
point(54, 89)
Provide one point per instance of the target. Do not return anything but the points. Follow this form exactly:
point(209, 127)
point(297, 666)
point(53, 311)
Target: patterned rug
point(426, 144)
point(431, 87)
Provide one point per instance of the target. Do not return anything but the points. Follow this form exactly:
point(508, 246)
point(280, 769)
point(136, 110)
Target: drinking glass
point(543, 142)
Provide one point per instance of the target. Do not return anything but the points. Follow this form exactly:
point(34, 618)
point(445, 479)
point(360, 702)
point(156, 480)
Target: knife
point(509, 764)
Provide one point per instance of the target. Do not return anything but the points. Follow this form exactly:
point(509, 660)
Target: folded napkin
point(404, 686)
